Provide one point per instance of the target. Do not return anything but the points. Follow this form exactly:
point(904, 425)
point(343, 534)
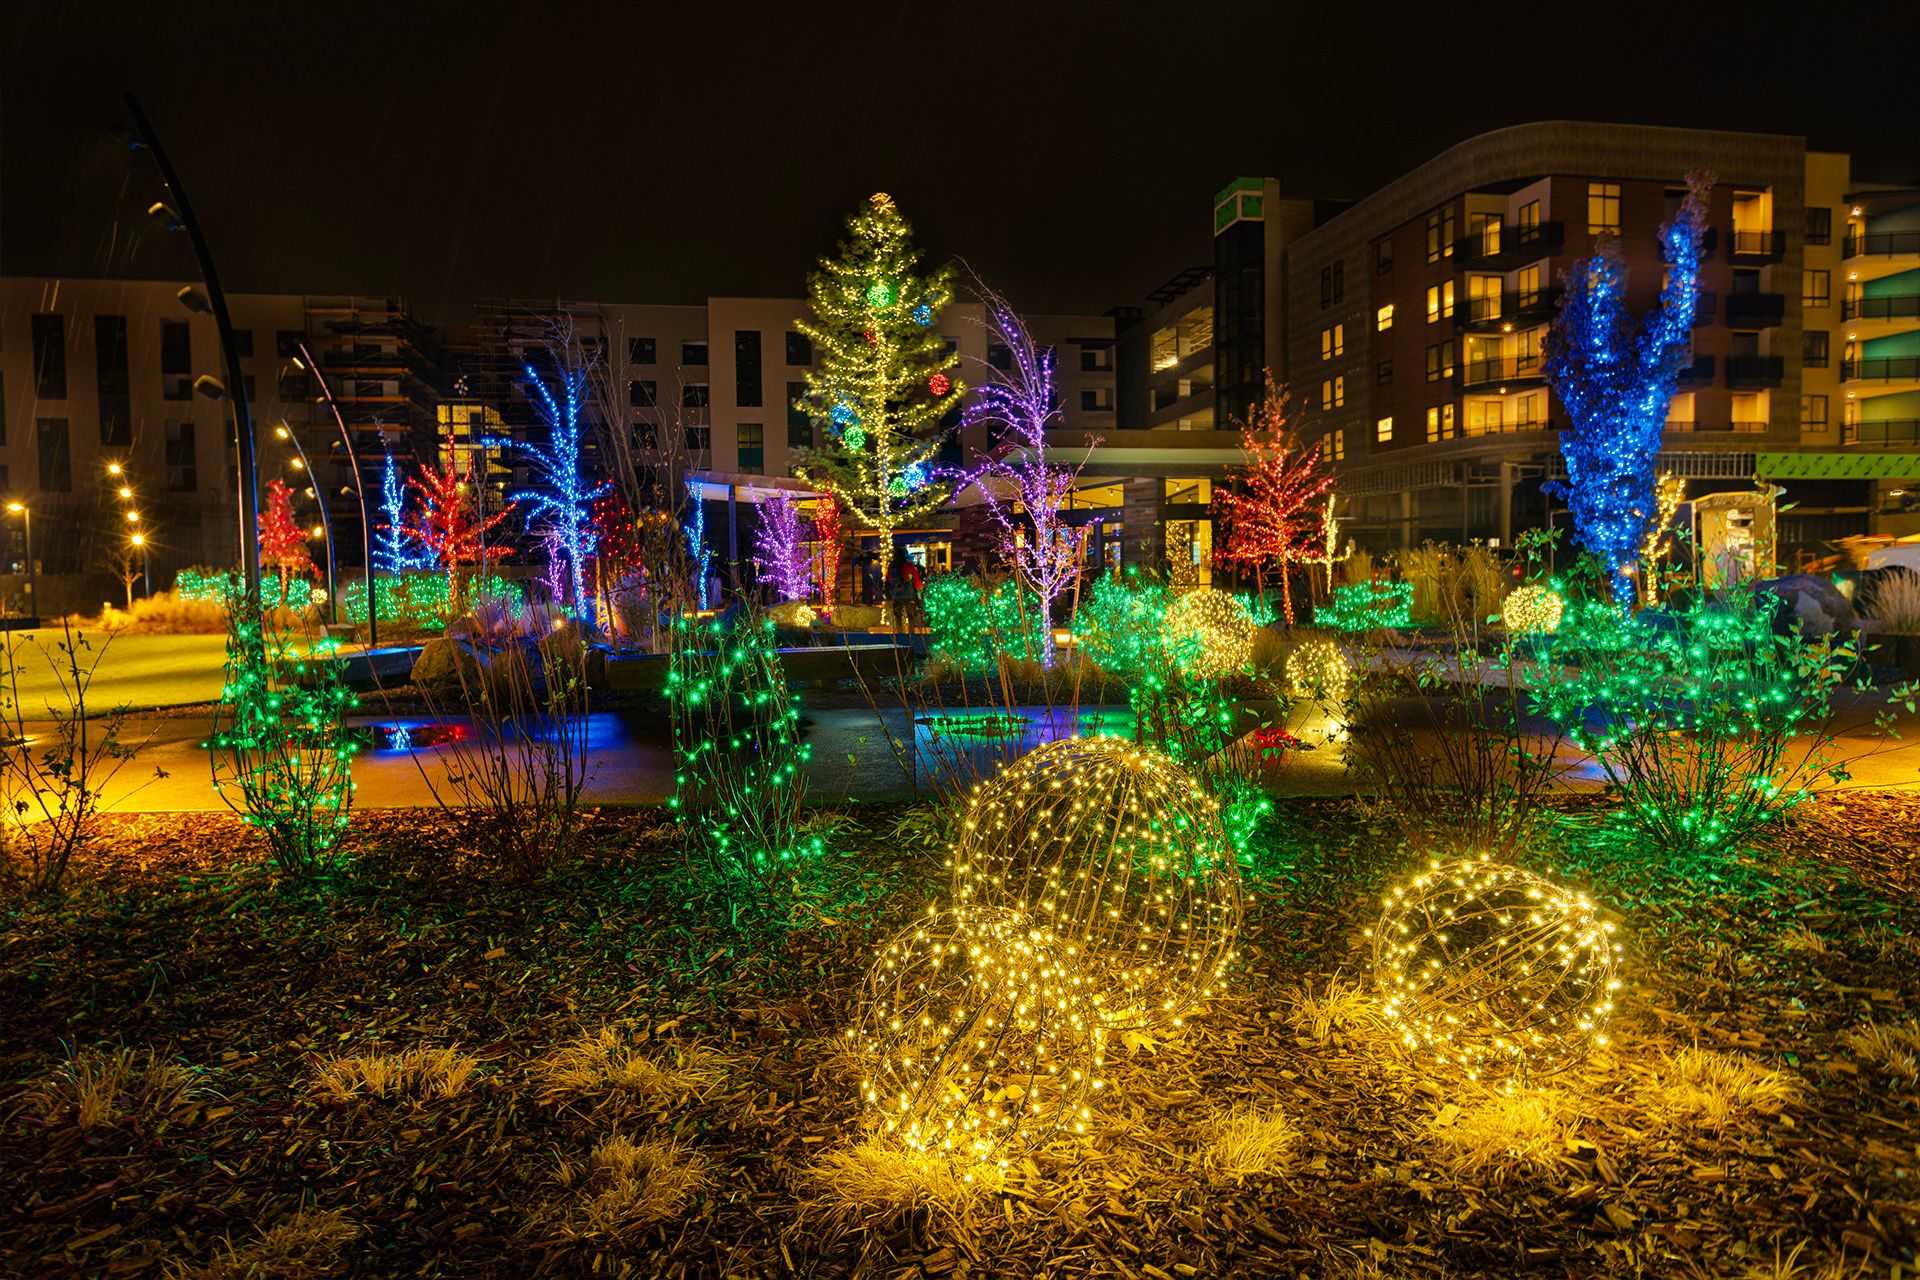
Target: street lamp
point(26, 520)
point(304, 361)
point(139, 540)
point(322, 530)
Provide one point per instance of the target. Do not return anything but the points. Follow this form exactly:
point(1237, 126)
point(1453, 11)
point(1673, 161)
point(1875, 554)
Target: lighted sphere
point(939, 384)
point(881, 294)
point(856, 438)
point(1209, 633)
point(976, 1036)
point(843, 415)
point(923, 315)
point(1318, 669)
point(1533, 610)
point(1121, 856)
point(1493, 971)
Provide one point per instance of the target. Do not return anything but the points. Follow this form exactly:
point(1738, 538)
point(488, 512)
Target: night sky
point(446, 152)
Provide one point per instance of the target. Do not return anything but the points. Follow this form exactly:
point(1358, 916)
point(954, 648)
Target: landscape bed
point(419, 1066)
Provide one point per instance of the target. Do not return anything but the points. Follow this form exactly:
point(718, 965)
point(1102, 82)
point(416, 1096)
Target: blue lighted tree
point(562, 499)
point(1616, 382)
point(394, 553)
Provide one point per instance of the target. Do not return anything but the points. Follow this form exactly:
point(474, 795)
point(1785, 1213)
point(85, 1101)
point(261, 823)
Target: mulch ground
point(178, 939)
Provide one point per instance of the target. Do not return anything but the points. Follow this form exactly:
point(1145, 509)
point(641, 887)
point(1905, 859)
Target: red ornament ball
point(871, 336)
point(939, 384)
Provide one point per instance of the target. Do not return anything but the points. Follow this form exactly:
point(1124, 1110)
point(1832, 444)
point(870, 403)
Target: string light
point(1118, 855)
point(1494, 971)
point(1275, 516)
point(392, 553)
point(425, 599)
point(1318, 669)
point(1209, 633)
point(1534, 609)
point(939, 384)
point(780, 552)
point(697, 546)
point(978, 1037)
point(446, 527)
point(923, 315)
point(565, 496)
point(283, 543)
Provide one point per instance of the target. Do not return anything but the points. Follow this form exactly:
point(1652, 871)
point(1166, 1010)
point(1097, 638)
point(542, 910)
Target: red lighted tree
point(283, 543)
point(826, 532)
point(1274, 516)
point(445, 524)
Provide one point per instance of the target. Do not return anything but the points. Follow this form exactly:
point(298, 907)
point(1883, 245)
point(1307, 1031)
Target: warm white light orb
point(1318, 669)
point(1493, 971)
point(1209, 633)
point(1533, 610)
point(977, 1037)
point(1120, 855)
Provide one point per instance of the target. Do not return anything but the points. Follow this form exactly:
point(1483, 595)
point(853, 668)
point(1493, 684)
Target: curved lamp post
point(286, 432)
point(304, 360)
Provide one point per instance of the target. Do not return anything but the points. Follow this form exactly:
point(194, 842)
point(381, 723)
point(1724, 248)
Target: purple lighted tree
point(780, 551)
point(1043, 550)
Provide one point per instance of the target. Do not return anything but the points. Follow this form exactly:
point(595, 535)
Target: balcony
point(1748, 247)
point(1502, 370)
point(1698, 374)
point(1756, 310)
point(1706, 307)
point(1509, 311)
point(1902, 306)
point(1718, 428)
point(1752, 373)
point(1901, 432)
point(1878, 244)
point(1517, 246)
point(1883, 369)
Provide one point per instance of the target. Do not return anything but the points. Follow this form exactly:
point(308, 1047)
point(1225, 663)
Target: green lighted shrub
point(1120, 623)
point(220, 585)
point(281, 751)
point(421, 599)
point(971, 629)
point(1363, 606)
point(739, 765)
point(1708, 721)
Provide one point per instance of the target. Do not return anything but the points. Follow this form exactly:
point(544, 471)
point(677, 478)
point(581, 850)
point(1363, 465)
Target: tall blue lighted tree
point(562, 499)
point(1616, 380)
point(394, 553)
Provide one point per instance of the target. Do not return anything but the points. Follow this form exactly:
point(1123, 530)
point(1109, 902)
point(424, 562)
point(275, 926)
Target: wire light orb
point(1494, 971)
point(977, 1037)
point(1120, 856)
point(1209, 633)
point(1533, 610)
point(1318, 669)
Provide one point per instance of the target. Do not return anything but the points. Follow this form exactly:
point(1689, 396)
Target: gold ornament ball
point(1209, 633)
point(1119, 854)
point(976, 1037)
point(1533, 610)
point(1318, 669)
point(1492, 971)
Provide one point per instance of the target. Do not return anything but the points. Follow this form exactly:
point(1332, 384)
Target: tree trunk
point(1286, 592)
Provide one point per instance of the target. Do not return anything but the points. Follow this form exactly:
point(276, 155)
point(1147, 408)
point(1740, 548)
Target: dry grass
point(1893, 1050)
point(1801, 938)
point(1789, 1266)
point(166, 614)
point(306, 1246)
point(632, 1185)
point(100, 1087)
point(1247, 1142)
point(879, 1178)
point(1702, 1088)
point(603, 1062)
point(416, 1073)
point(1525, 1129)
point(1339, 1006)
point(1896, 603)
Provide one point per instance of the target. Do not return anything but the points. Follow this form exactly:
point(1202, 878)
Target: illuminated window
point(1529, 282)
point(1816, 288)
point(752, 443)
point(1439, 302)
point(1340, 393)
point(1326, 393)
point(1440, 423)
point(1383, 318)
point(1440, 360)
point(1483, 297)
point(1440, 234)
point(1383, 430)
point(1333, 342)
point(1813, 412)
point(1484, 228)
point(1184, 490)
point(1528, 216)
point(1603, 208)
point(1333, 446)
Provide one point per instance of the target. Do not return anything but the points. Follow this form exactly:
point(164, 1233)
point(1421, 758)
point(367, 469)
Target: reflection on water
point(604, 731)
point(960, 744)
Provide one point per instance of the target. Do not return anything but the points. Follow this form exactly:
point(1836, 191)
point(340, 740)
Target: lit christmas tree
point(1278, 514)
point(780, 550)
point(1617, 383)
point(447, 527)
point(564, 496)
point(826, 533)
point(1044, 551)
point(283, 543)
point(882, 380)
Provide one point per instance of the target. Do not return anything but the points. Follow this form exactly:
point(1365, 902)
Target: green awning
point(1837, 466)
